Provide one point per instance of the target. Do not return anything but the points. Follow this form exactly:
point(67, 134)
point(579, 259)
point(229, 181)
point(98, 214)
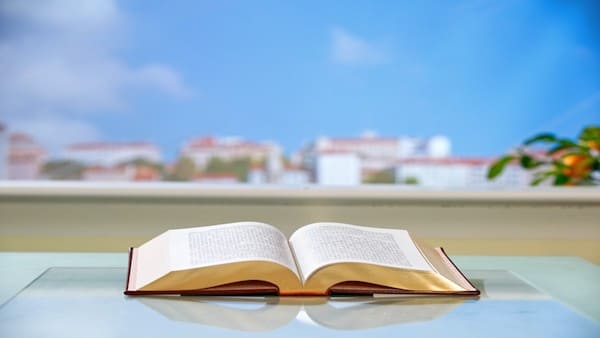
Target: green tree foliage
point(564, 161)
point(382, 177)
point(285, 161)
point(143, 162)
point(63, 170)
point(184, 170)
point(238, 167)
point(411, 180)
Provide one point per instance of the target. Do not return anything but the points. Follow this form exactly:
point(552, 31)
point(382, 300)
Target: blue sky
point(487, 74)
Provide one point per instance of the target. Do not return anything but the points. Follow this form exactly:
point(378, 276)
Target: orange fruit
point(578, 165)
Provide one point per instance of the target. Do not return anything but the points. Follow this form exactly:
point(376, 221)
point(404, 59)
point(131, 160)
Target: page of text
point(227, 243)
point(320, 244)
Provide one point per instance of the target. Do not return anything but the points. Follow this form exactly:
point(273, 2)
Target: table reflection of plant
point(562, 160)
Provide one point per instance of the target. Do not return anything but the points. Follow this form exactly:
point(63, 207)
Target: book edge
point(129, 265)
point(445, 256)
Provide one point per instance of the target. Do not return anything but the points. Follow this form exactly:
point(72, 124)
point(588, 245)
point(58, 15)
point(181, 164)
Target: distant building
point(101, 173)
point(257, 175)
point(456, 172)
point(3, 152)
point(385, 148)
point(338, 168)
point(25, 157)
point(374, 153)
point(437, 147)
point(146, 173)
point(110, 154)
point(366, 146)
point(293, 175)
point(129, 172)
point(202, 150)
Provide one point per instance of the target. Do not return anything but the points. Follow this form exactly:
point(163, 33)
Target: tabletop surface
point(521, 297)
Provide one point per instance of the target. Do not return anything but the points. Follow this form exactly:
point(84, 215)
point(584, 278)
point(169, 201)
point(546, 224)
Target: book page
point(320, 244)
point(228, 243)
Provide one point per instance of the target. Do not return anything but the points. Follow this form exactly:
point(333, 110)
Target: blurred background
point(425, 93)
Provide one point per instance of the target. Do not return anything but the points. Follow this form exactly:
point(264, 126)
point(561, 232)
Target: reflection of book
point(248, 314)
point(270, 313)
point(319, 259)
point(381, 312)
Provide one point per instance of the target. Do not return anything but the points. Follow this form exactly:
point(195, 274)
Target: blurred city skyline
point(486, 74)
point(328, 161)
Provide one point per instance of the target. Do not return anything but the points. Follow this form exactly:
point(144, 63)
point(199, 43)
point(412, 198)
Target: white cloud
point(87, 17)
point(59, 66)
point(161, 77)
point(349, 49)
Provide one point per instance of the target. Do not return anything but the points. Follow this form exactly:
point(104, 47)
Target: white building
point(25, 157)
point(457, 173)
point(338, 168)
point(289, 175)
point(202, 150)
point(437, 147)
point(385, 148)
point(3, 152)
point(110, 154)
point(293, 175)
point(376, 153)
point(257, 175)
point(366, 146)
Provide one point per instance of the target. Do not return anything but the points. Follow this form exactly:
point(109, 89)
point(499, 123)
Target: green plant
point(63, 170)
point(381, 177)
point(565, 161)
point(411, 180)
point(184, 170)
point(237, 166)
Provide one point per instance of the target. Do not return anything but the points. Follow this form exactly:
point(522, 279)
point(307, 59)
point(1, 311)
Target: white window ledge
point(76, 216)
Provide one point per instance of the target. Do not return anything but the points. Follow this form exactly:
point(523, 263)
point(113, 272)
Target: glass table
point(88, 302)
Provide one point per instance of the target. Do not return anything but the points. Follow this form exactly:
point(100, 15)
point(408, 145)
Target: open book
point(248, 258)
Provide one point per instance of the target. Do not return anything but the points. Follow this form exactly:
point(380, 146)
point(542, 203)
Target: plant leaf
point(558, 165)
point(561, 179)
point(562, 144)
point(497, 167)
point(544, 137)
point(590, 133)
point(578, 152)
point(596, 165)
point(528, 162)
